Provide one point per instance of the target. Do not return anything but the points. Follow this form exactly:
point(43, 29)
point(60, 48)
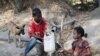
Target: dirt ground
point(91, 26)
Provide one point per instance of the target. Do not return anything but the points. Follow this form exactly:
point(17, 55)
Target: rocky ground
point(91, 26)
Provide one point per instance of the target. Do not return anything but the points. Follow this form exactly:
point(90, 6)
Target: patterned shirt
point(80, 47)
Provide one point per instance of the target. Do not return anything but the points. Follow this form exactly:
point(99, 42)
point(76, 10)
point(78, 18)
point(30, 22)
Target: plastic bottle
point(49, 42)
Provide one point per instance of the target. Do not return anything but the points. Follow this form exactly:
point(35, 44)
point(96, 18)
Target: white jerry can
point(49, 42)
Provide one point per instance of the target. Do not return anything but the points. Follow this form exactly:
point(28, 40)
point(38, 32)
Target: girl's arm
point(87, 49)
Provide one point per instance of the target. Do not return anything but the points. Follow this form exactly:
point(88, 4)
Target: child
point(36, 29)
point(80, 47)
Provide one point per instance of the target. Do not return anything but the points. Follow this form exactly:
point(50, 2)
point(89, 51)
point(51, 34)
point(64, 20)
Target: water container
point(49, 42)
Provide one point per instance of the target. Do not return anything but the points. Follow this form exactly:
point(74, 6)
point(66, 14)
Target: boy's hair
point(80, 30)
point(36, 12)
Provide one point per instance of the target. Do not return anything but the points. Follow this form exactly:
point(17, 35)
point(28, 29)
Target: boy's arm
point(31, 33)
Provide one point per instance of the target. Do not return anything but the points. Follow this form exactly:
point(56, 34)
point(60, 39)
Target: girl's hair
point(80, 30)
point(36, 12)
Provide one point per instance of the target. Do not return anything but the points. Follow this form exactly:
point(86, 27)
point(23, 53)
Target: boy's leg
point(30, 45)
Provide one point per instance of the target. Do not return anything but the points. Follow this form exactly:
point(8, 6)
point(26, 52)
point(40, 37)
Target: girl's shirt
point(80, 47)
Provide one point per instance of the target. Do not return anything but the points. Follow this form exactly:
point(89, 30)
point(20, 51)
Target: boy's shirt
point(37, 29)
point(80, 47)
